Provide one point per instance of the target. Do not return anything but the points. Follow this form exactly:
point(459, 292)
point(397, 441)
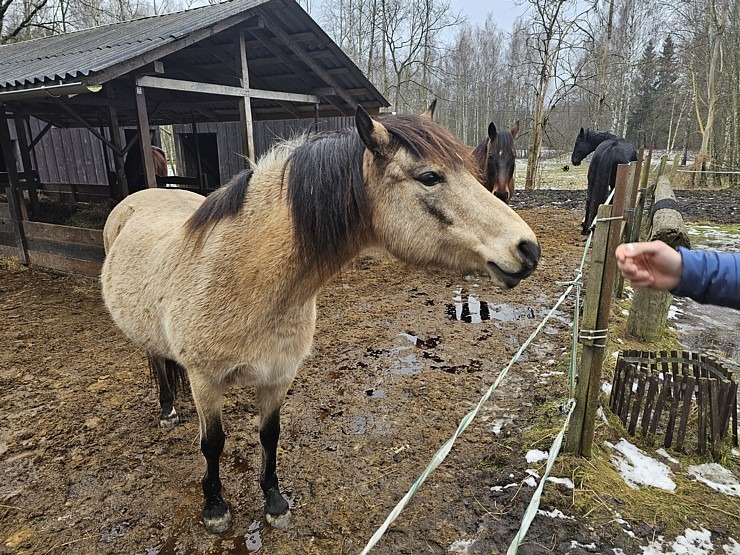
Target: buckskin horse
point(609, 151)
point(194, 280)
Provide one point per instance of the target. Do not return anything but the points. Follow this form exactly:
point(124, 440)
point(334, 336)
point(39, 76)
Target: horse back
point(148, 206)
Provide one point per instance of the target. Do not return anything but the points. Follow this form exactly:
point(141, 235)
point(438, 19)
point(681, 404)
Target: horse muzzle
point(528, 253)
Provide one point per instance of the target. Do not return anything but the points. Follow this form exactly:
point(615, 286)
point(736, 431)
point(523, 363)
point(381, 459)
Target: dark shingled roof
point(112, 55)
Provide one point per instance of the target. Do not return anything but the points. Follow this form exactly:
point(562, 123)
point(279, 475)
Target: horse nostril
point(529, 253)
point(503, 196)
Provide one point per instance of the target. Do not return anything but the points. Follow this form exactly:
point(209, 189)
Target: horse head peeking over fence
point(609, 151)
point(495, 156)
point(193, 280)
point(133, 167)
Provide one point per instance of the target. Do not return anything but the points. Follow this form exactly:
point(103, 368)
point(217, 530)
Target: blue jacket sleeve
point(710, 277)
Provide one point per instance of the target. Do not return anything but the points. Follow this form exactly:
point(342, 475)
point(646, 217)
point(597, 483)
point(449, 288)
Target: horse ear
point(492, 131)
point(515, 129)
point(373, 134)
point(429, 112)
point(581, 133)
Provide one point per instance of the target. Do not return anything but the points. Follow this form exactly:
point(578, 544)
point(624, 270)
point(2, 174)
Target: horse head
point(427, 205)
point(500, 156)
point(582, 148)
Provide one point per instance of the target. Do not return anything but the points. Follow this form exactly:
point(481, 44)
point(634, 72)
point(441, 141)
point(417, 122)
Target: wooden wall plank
point(63, 233)
point(65, 265)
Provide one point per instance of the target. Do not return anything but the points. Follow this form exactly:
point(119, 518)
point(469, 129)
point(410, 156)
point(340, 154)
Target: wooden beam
point(297, 70)
point(245, 104)
point(222, 57)
point(316, 68)
point(63, 105)
point(115, 135)
point(144, 139)
point(222, 90)
point(31, 183)
point(15, 202)
point(41, 134)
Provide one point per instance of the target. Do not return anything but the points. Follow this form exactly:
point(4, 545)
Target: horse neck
point(266, 238)
point(595, 138)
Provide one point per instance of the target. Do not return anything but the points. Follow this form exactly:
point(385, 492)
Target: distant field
point(552, 174)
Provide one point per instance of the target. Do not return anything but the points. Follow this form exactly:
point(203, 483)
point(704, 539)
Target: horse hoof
point(279, 522)
point(170, 421)
point(218, 524)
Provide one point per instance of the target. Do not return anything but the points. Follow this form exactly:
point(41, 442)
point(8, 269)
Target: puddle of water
point(474, 311)
point(253, 539)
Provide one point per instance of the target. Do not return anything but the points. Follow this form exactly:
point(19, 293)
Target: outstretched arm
point(708, 277)
point(654, 265)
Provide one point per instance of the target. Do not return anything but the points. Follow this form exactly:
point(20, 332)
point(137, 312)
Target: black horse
point(609, 151)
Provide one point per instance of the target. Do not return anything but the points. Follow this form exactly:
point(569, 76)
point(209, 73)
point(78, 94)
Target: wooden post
point(30, 180)
point(115, 138)
point(145, 140)
point(15, 202)
point(640, 204)
point(245, 104)
point(595, 322)
point(647, 318)
point(674, 167)
point(198, 160)
point(633, 181)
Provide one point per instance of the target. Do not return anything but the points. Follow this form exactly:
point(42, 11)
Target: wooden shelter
point(237, 61)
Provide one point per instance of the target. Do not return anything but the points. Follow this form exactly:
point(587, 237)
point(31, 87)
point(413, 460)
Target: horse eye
point(429, 179)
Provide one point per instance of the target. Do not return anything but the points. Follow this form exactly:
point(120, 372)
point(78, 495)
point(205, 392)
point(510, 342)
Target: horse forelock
point(428, 140)
point(504, 143)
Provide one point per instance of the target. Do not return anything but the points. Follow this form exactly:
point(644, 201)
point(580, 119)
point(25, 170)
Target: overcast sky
point(504, 11)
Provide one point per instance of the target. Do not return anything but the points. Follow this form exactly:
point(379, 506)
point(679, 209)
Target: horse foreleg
point(168, 418)
point(270, 399)
point(216, 514)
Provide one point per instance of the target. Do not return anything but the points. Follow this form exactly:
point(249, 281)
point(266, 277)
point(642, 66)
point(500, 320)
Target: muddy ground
point(84, 467)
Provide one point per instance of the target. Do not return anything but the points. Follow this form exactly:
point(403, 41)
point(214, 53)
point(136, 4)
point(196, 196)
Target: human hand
point(654, 265)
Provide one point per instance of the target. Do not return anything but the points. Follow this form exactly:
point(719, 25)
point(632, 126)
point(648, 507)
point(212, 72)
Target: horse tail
point(177, 376)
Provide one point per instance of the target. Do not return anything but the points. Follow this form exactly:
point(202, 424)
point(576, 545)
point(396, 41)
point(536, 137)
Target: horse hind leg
point(269, 400)
point(170, 378)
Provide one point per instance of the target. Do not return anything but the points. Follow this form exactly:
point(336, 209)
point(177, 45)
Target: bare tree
point(553, 40)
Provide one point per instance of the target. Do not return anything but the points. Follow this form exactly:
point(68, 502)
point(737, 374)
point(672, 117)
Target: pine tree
point(640, 123)
point(665, 92)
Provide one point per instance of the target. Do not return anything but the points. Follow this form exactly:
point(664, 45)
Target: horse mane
point(327, 189)
point(223, 202)
point(599, 136)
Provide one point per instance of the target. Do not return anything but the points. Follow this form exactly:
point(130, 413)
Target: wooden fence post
point(633, 183)
point(640, 204)
point(595, 322)
point(647, 318)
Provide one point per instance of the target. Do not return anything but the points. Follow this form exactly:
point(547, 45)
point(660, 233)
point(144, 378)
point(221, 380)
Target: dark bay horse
point(609, 151)
point(194, 280)
point(133, 167)
point(495, 156)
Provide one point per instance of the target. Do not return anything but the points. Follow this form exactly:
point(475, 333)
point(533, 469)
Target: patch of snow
point(638, 469)
point(716, 477)
point(535, 456)
point(567, 482)
point(555, 513)
point(693, 542)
